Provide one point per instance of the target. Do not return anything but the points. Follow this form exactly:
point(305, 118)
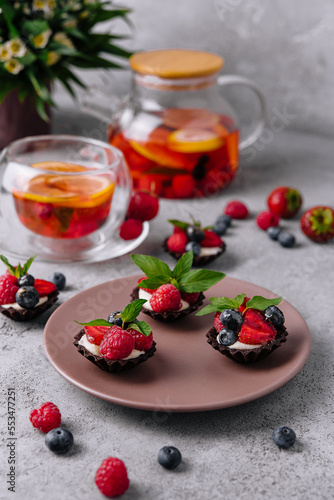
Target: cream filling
point(205, 251)
point(145, 295)
point(95, 349)
point(16, 306)
point(241, 345)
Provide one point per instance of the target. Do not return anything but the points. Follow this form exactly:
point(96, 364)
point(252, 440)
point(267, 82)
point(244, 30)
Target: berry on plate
point(245, 329)
point(169, 457)
point(130, 229)
point(166, 302)
point(119, 343)
point(267, 219)
point(284, 201)
point(46, 417)
point(236, 209)
point(284, 437)
point(143, 206)
point(111, 477)
point(317, 223)
point(59, 440)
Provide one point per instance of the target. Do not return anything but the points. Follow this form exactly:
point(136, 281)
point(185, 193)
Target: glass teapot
point(177, 133)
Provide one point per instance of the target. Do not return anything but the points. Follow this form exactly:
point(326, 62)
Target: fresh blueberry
point(115, 318)
point(226, 337)
point(195, 234)
point(273, 232)
point(287, 240)
point(231, 319)
point(195, 247)
point(224, 219)
point(26, 280)
point(220, 228)
point(59, 440)
point(284, 437)
point(274, 315)
point(27, 297)
point(169, 457)
point(58, 279)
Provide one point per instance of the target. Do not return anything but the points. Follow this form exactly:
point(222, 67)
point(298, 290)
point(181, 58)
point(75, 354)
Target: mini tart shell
point(28, 314)
point(168, 316)
point(247, 355)
point(109, 365)
point(198, 261)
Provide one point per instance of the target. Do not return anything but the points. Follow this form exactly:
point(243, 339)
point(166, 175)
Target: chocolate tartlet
point(198, 260)
point(108, 365)
point(247, 355)
point(168, 316)
point(28, 314)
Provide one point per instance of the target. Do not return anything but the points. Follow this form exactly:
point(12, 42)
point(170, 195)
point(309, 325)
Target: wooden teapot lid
point(176, 63)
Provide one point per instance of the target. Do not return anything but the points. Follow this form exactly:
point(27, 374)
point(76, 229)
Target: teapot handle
point(259, 125)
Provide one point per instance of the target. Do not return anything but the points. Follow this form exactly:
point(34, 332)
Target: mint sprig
point(131, 311)
point(219, 304)
point(142, 327)
point(158, 273)
point(19, 270)
point(95, 322)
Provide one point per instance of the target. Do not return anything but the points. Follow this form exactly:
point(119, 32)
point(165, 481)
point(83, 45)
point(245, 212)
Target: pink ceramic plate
point(186, 373)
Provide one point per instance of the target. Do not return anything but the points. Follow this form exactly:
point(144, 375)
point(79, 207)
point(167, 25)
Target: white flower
point(41, 40)
point(17, 47)
point(5, 52)
point(53, 57)
point(63, 39)
point(13, 66)
point(39, 5)
point(71, 23)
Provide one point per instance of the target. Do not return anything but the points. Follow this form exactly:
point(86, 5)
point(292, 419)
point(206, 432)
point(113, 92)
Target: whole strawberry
point(285, 201)
point(143, 206)
point(317, 223)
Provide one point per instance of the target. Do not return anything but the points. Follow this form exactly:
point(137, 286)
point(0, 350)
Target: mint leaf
point(207, 310)
point(261, 303)
point(132, 310)
point(151, 266)
point(95, 322)
point(154, 282)
point(183, 265)
point(222, 303)
point(199, 280)
point(178, 223)
point(11, 268)
point(28, 264)
point(142, 327)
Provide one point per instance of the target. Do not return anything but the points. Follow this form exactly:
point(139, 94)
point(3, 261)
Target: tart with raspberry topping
point(119, 343)
point(172, 294)
point(245, 329)
point(205, 243)
point(23, 297)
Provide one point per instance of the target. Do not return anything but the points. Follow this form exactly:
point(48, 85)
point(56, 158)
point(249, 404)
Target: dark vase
point(19, 119)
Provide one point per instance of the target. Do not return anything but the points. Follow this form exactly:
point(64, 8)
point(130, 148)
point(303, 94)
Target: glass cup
point(62, 197)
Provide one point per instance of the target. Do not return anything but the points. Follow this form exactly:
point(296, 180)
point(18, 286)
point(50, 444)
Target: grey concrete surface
point(228, 454)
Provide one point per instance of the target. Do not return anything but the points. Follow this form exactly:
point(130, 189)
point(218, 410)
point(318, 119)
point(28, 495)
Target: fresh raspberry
point(177, 242)
point(256, 329)
point(44, 287)
point(142, 343)
point(111, 477)
point(143, 206)
point(178, 230)
point(116, 344)
point(211, 239)
point(237, 210)
point(217, 323)
point(131, 229)
point(183, 186)
point(191, 298)
point(267, 219)
point(12, 278)
point(148, 290)
point(7, 290)
point(166, 298)
point(95, 334)
point(47, 417)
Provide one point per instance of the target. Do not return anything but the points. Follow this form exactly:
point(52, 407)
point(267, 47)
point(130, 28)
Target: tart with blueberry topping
point(172, 294)
point(23, 297)
point(119, 343)
point(245, 329)
point(205, 243)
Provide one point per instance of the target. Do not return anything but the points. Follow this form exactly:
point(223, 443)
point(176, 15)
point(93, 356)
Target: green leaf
point(178, 223)
point(132, 310)
point(207, 310)
point(142, 327)
point(35, 26)
point(154, 282)
point(222, 303)
point(183, 265)
point(11, 268)
point(27, 59)
point(199, 280)
point(64, 215)
point(95, 322)
point(40, 107)
point(261, 303)
point(151, 266)
point(28, 264)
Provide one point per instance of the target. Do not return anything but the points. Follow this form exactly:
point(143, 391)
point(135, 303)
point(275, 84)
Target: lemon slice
point(194, 141)
point(159, 154)
point(59, 166)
